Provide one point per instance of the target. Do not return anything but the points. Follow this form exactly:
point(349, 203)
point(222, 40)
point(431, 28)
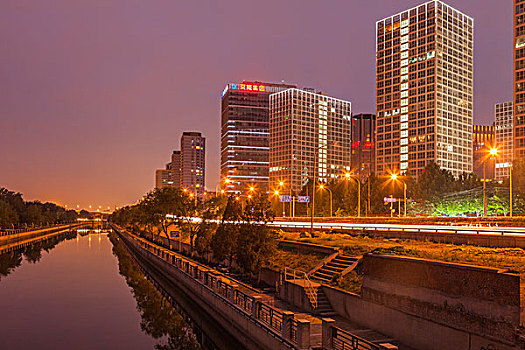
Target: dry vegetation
point(512, 259)
point(294, 259)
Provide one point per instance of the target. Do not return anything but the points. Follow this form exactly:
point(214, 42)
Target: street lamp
point(394, 178)
point(281, 185)
point(492, 153)
point(324, 187)
point(348, 177)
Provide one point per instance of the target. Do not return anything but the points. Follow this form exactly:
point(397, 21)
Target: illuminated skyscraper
point(192, 162)
point(309, 132)
point(244, 135)
point(519, 79)
point(424, 90)
point(504, 139)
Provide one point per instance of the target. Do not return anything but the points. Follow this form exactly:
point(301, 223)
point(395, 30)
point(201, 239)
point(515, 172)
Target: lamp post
point(492, 153)
point(510, 189)
point(276, 192)
point(281, 190)
point(324, 187)
point(348, 177)
point(394, 178)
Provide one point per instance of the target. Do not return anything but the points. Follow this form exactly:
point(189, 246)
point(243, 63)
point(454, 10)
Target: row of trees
point(226, 228)
point(435, 192)
point(16, 213)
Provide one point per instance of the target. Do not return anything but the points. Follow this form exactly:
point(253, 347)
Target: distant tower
point(192, 161)
point(175, 169)
point(363, 153)
point(162, 178)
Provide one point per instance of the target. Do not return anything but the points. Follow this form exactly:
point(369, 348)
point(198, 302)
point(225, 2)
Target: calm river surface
point(83, 293)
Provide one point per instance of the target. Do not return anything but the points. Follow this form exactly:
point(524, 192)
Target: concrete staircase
point(341, 264)
point(324, 308)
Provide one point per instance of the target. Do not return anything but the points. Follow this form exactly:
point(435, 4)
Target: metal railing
point(269, 317)
point(342, 340)
point(9, 231)
point(292, 330)
point(243, 300)
point(310, 290)
point(272, 317)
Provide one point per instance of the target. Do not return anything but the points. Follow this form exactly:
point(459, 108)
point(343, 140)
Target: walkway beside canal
point(251, 316)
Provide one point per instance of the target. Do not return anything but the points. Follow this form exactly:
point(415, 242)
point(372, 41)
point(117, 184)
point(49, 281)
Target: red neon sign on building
point(249, 87)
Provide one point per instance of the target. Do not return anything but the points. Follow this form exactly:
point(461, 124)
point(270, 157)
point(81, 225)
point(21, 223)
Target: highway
point(451, 229)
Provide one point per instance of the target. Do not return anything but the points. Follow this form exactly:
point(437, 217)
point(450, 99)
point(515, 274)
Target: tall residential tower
point(309, 132)
point(192, 152)
point(519, 79)
point(244, 135)
point(424, 90)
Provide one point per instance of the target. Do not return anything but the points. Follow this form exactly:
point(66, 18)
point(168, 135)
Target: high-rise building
point(244, 135)
point(309, 132)
point(175, 169)
point(424, 90)
point(192, 161)
point(363, 152)
point(483, 141)
point(162, 178)
point(519, 79)
point(504, 139)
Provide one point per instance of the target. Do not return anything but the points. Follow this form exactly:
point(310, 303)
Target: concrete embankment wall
point(240, 325)
point(15, 241)
point(433, 305)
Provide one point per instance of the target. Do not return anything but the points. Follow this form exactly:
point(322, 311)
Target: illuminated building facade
point(483, 141)
point(363, 152)
point(192, 162)
point(504, 139)
point(244, 135)
point(309, 132)
point(519, 79)
point(424, 90)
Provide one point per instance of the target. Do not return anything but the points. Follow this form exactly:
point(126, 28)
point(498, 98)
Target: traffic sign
point(303, 199)
point(285, 199)
point(174, 234)
point(390, 200)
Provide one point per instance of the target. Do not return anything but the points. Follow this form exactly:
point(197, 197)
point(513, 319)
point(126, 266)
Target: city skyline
point(120, 115)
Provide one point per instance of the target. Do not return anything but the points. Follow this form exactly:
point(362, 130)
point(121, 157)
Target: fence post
point(288, 317)
point(303, 334)
point(328, 323)
point(233, 290)
point(255, 306)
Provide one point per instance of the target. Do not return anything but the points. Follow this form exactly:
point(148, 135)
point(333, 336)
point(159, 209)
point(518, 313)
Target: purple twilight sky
point(95, 94)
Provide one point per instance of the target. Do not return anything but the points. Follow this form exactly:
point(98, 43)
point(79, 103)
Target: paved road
point(506, 231)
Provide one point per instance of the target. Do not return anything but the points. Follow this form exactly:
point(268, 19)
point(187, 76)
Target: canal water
point(84, 292)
